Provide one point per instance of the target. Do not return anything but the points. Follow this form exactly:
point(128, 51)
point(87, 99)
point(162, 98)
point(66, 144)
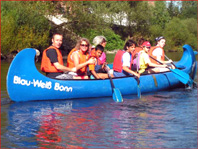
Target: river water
point(166, 119)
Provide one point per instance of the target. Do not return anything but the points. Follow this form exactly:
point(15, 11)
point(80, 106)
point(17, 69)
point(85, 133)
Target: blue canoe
point(25, 82)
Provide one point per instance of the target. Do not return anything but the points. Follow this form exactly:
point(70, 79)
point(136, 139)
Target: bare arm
point(76, 61)
point(125, 68)
point(156, 65)
point(95, 74)
point(63, 68)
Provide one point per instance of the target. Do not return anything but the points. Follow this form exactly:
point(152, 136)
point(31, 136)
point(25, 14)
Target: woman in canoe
point(157, 51)
point(123, 61)
point(79, 57)
point(101, 40)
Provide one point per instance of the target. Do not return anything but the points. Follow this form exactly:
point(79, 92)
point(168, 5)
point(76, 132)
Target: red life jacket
point(150, 54)
point(117, 63)
point(46, 65)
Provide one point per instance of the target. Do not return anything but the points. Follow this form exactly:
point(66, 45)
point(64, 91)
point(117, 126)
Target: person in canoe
point(79, 57)
point(100, 40)
point(138, 48)
point(52, 60)
point(123, 61)
point(97, 69)
point(157, 51)
point(143, 64)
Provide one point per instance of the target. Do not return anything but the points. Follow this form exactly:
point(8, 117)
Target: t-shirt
point(143, 60)
point(102, 58)
point(52, 55)
point(126, 59)
point(158, 52)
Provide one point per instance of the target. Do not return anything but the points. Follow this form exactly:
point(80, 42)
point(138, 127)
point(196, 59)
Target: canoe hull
point(25, 82)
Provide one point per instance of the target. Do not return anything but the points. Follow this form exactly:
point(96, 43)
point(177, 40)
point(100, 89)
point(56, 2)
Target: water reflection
point(155, 121)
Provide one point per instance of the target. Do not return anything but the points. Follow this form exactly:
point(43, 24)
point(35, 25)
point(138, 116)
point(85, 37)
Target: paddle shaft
point(110, 76)
point(156, 60)
point(111, 80)
point(171, 62)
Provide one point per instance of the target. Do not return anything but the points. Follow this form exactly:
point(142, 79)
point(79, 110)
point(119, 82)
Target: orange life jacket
point(93, 54)
point(150, 54)
point(46, 65)
point(117, 63)
point(137, 50)
point(82, 59)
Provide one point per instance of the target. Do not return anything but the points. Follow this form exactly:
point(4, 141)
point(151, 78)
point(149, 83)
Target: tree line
point(24, 23)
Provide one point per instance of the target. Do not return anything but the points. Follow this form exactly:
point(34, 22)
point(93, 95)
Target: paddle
point(171, 62)
point(117, 97)
point(180, 75)
point(191, 81)
point(137, 79)
point(138, 87)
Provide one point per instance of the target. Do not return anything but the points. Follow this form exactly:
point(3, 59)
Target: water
point(166, 119)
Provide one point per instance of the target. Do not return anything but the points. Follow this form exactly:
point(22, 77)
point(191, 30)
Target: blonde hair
point(77, 47)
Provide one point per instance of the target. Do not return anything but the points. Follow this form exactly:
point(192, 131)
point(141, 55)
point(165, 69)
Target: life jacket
point(82, 59)
point(136, 62)
point(46, 65)
point(117, 63)
point(137, 50)
point(150, 53)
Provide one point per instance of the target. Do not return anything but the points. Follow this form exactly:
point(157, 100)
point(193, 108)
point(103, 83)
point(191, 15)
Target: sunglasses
point(84, 45)
point(148, 47)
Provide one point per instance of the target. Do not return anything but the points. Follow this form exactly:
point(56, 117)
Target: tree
point(173, 9)
point(24, 26)
point(177, 33)
point(189, 9)
point(160, 14)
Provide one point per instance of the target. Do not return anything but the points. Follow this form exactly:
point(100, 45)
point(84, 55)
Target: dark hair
point(159, 38)
point(141, 41)
point(56, 34)
point(128, 44)
point(99, 47)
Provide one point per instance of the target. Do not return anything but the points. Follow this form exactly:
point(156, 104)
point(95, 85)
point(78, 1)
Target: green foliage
point(189, 9)
point(139, 19)
point(113, 40)
point(24, 26)
point(160, 14)
point(178, 33)
point(155, 31)
point(23, 23)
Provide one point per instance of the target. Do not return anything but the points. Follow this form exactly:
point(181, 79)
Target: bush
point(113, 40)
point(23, 27)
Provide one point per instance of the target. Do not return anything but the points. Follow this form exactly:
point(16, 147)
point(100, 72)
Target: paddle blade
point(138, 91)
point(117, 97)
point(182, 76)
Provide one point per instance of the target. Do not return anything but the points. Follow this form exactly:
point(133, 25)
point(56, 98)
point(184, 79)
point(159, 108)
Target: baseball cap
point(146, 44)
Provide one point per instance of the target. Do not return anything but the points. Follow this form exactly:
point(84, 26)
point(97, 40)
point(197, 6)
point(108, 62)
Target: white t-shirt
point(126, 59)
point(158, 52)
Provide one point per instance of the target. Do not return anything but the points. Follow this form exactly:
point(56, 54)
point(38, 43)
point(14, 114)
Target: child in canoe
point(97, 69)
point(143, 64)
